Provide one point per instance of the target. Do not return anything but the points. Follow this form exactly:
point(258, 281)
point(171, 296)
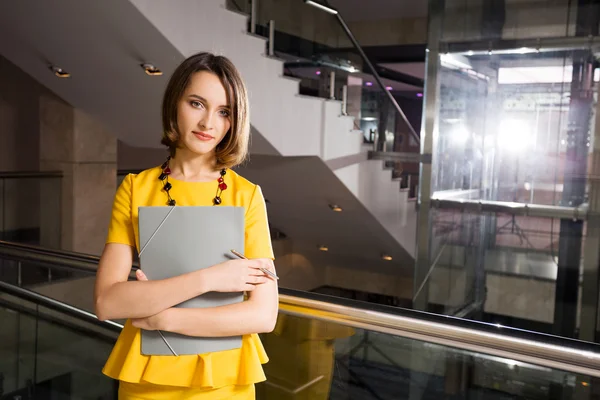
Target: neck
point(191, 166)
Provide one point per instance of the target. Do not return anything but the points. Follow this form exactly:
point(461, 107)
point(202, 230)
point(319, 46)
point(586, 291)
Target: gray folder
point(176, 240)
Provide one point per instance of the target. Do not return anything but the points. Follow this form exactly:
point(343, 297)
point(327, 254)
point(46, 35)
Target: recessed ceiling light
point(323, 248)
point(335, 207)
point(386, 257)
point(151, 70)
point(59, 72)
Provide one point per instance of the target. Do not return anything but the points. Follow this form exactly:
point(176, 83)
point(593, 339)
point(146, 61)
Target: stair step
point(257, 36)
point(291, 78)
point(241, 13)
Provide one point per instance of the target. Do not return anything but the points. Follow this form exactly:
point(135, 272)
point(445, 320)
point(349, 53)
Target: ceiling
point(302, 212)
point(413, 69)
point(363, 10)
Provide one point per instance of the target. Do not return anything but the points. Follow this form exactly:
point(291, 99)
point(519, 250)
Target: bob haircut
point(233, 149)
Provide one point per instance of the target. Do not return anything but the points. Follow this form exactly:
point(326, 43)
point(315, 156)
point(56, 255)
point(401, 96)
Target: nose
point(206, 121)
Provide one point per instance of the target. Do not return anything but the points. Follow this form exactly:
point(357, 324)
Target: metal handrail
point(580, 212)
point(376, 76)
point(53, 258)
point(30, 174)
point(59, 306)
point(536, 348)
point(323, 6)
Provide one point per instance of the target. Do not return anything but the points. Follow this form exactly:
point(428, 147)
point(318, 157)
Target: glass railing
point(49, 354)
point(320, 51)
point(321, 348)
point(30, 207)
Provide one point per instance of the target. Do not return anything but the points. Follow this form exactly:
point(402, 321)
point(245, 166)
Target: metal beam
point(399, 156)
point(579, 213)
point(423, 242)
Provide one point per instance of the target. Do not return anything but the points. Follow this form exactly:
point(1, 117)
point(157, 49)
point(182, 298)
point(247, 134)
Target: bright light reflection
point(531, 75)
point(459, 135)
point(514, 136)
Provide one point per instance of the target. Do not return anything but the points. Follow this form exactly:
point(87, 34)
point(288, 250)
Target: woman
point(206, 128)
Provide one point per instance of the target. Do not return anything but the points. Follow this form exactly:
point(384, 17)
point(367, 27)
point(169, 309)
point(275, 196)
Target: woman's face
point(203, 114)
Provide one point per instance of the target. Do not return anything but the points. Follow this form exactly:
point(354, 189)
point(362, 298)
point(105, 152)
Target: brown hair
point(233, 149)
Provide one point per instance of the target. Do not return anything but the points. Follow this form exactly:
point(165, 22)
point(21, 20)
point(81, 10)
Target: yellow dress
point(227, 374)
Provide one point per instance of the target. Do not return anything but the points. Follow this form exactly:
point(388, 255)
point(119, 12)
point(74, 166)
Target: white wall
point(295, 125)
point(382, 196)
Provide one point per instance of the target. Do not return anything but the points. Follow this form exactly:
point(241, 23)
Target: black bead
point(172, 202)
point(223, 172)
point(164, 165)
point(162, 176)
point(217, 201)
point(168, 186)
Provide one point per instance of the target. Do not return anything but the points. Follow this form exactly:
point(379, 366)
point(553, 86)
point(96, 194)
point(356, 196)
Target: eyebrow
point(206, 101)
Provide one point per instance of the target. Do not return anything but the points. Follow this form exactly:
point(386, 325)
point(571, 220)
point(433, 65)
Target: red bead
point(220, 180)
point(167, 171)
point(222, 186)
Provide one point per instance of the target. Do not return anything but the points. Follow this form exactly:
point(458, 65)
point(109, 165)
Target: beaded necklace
point(164, 178)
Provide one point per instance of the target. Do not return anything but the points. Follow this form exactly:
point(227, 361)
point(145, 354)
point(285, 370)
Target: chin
point(200, 148)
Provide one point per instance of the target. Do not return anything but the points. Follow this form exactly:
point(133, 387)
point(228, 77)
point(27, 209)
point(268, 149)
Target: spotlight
point(335, 207)
point(151, 70)
point(59, 72)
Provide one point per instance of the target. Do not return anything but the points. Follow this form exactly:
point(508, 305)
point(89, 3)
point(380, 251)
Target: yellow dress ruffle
point(209, 371)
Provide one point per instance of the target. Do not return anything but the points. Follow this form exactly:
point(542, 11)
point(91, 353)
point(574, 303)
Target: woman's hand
point(140, 275)
point(236, 275)
point(154, 322)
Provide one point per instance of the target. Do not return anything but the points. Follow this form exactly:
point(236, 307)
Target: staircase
point(298, 126)
point(305, 154)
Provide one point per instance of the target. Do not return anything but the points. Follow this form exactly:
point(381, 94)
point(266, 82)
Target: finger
point(257, 280)
point(249, 288)
point(256, 272)
point(140, 275)
point(261, 280)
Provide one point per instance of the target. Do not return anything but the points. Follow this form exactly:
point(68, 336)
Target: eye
point(196, 104)
point(224, 113)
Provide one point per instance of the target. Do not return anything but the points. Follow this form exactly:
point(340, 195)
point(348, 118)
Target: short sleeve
point(258, 237)
point(120, 229)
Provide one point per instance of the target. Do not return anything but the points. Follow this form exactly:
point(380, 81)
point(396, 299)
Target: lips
point(203, 136)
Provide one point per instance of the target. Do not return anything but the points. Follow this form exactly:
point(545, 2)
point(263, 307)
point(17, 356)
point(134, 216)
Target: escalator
point(53, 347)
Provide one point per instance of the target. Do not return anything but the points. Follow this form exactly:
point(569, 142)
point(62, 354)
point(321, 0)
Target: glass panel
point(498, 268)
point(68, 286)
point(74, 359)
point(506, 122)
point(43, 358)
point(485, 20)
point(332, 361)
point(16, 350)
point(30, 210)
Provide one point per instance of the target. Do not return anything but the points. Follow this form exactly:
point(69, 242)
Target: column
point(73, 142)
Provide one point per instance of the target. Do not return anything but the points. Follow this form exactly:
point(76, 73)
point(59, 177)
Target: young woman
point(206, 128)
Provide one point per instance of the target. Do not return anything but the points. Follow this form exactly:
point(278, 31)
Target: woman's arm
point(117, 298)
point(256, 315)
